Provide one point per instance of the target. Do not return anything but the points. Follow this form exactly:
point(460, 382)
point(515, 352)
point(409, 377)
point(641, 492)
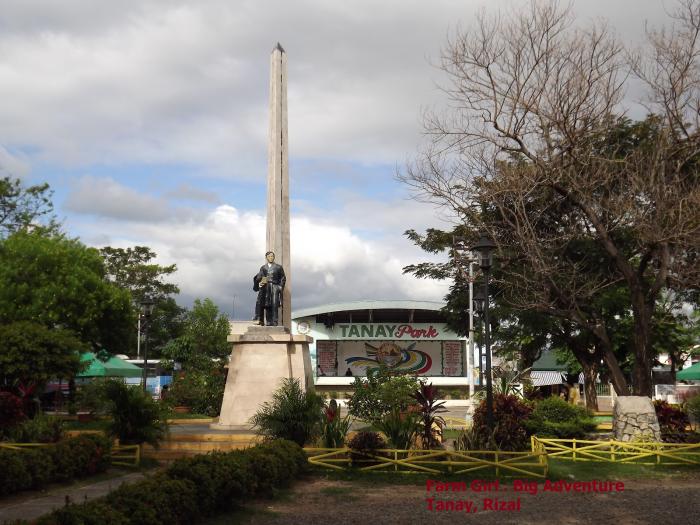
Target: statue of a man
point(269, 283)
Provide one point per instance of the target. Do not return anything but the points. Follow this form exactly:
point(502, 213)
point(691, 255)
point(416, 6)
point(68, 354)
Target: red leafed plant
point(11, 411)
point(431, 422)
point(508, 433)
point(672, 419)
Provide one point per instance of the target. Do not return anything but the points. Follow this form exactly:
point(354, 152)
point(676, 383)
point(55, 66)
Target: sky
point(149, 120)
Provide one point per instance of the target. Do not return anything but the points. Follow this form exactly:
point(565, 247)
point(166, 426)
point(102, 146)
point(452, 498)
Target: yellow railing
point(432, 461)
point(125, 455)
point(455, 422)
point(640, 453)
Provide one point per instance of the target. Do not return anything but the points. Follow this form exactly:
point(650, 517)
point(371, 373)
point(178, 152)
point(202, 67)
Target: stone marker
point(634, 419)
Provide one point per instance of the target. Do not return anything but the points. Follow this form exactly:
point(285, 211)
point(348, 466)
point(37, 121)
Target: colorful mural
point(426, 358)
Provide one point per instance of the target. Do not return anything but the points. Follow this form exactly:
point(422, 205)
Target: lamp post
point(146, 312)
point(485, 247)
point(459, 244)
point(478, 306)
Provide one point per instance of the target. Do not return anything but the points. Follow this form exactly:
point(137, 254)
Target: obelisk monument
point(265, 355)
point(278, 177)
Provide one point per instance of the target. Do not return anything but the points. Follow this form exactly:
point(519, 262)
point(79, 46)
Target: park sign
point(393, 331)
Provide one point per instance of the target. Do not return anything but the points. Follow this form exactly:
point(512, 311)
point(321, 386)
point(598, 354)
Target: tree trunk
point(590, 373)
point(617, 378)
point(641, 373)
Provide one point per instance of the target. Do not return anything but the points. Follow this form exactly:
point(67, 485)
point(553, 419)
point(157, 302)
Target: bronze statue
point(269, 283)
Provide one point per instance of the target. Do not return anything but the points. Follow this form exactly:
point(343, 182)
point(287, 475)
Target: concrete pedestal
point(260, 359)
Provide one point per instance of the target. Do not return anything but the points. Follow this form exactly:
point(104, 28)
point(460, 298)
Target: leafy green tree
point(203, 339)
point(32, 353)
point(56, 289)
point(202, 350)
point(536, 150)
point(25, 207)
point(132, 269)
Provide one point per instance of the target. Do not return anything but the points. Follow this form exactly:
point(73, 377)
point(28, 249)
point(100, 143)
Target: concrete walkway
point(33, 507)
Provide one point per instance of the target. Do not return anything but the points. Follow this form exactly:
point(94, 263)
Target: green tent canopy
point(691, 373)
point(112, 367)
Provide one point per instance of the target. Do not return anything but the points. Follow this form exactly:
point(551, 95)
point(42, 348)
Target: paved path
point(35, 506)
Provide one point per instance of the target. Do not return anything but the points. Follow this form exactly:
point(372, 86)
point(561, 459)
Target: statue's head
point(270, 256)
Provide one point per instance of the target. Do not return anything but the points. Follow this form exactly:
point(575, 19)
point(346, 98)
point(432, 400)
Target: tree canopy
point(132, 269)
point(54, 290)
point(25, 207)
point(580, 200)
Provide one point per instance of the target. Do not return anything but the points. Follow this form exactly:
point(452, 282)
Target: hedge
point(33, 468)
point(191, 488)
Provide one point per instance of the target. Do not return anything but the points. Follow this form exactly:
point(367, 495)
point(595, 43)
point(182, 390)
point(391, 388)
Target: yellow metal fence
point(124, 455)
point(432, 461)
point(611, 451)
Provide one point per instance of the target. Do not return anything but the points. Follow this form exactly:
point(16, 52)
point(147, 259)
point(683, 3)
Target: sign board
point(425, 358)
point(392, 331)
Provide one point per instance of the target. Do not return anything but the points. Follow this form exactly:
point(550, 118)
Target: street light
point(478, 301)
point(485, 247)
point(459, 245)
point(146, 312)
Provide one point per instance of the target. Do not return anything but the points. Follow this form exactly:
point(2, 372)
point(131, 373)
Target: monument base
point(260, 359)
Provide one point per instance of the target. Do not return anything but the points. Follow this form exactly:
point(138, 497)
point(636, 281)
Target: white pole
point(470, 355)
point(138, 340)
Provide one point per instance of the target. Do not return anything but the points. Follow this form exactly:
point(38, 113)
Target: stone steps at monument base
point(178, 446)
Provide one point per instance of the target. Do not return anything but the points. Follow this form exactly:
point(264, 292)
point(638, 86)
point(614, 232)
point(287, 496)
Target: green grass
point(450, 433)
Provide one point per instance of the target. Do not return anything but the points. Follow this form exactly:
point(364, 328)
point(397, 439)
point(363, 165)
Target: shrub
point(11, 411)
point(40, 465)
point(40, 429)
point(693, 408)
point(81, 456)
point(333, 427)
point(14, 475)
point(293, 414)
point(509, 432)
point(136, 418)
point(202, 391)
point(95, 512)
point(432, 424)
point(380, 393)
point(190, 488)
point(401, 428)
point(66, 460)
point(92, 397)
point(554, 417)
point(156, 500)
point(364, 443)
point(672, 418)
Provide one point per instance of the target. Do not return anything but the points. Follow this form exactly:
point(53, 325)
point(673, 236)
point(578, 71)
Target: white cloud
point(105, 197)
point(13, 166)
point(218, 255)
point(165, 81)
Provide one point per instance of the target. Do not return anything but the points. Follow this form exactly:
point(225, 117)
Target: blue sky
point(149, 120)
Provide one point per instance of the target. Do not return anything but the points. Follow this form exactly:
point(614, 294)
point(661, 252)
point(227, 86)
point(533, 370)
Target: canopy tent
point(546, 371)
point(691, 373)
point(112, 367)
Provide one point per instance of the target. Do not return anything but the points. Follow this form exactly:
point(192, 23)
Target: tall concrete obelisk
point(263, 356)
point(278, 177)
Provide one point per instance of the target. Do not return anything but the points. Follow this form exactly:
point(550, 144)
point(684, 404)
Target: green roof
point(112, 367)
point(368, 305)
point(692, 373)
point(548, 361)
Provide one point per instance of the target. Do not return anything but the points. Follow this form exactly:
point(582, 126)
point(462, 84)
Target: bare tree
point(535, 149)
